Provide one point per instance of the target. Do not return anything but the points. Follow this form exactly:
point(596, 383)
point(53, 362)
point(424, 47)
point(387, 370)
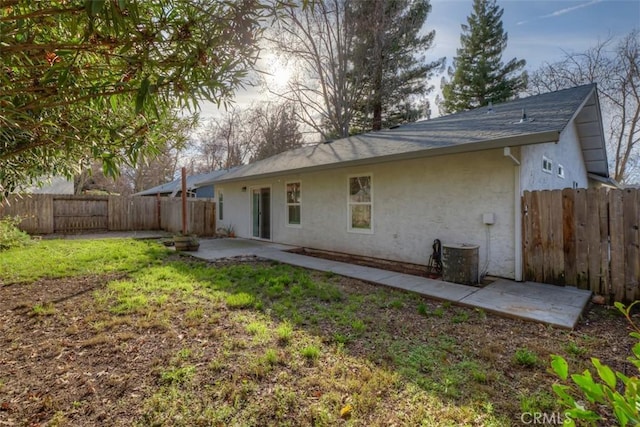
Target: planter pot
point(186, 243)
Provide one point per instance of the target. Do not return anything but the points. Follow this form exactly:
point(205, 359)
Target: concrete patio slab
point(538, 302)
point(429, 287)
point(554, 305)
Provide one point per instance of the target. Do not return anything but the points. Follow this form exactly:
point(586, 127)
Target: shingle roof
point(193, 181)
point(547, 114)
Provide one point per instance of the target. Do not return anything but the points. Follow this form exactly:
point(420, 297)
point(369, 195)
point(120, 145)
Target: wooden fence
point(584, 238)
point(47, 213)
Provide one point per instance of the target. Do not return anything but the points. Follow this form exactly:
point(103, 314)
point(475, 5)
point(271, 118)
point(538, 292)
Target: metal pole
point(184, 201)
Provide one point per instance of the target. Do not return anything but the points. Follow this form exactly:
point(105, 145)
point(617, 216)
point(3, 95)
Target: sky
point(538, 31)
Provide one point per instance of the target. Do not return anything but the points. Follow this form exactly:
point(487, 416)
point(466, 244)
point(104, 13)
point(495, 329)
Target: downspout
point(517, 204)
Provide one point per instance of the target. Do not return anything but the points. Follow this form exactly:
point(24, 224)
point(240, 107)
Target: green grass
point(68, 258)
point(272, 344)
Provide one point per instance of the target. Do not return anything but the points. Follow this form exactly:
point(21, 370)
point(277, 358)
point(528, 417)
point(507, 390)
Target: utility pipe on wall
point(517, 205)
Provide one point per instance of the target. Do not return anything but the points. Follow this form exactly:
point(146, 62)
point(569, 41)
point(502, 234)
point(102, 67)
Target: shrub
point(603, 393)
point(10, 235)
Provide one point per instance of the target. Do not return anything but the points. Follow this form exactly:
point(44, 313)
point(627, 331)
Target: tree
point(278, 130)
point(616, 70)
point(478, 74)
point(243, 135)
point(359, 63)
point(90, 79)
point(319, 40)
point(225, 142)
point(152, 167)
point(389, 57)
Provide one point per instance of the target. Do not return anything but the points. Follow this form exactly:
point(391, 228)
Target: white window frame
point(287, 204)
point(220, 204)
point(560, 171)
point(350, 228)
point(547, 165)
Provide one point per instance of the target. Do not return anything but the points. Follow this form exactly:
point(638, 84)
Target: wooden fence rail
point(584, 238)
point(49, 213)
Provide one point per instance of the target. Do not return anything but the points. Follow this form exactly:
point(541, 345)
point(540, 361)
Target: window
point(547, 165)
point(220, 205)
point(560, 171)
point(293, 203)
point(360, 203)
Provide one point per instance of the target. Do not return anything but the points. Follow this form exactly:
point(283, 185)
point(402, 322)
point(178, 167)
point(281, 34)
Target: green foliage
point(92, 79)
point(10, 235)
point(525, 357)
point(611, 390)
point(388, 60)
point(478, 74)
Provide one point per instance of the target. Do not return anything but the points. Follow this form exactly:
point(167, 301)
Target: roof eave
point(511, 141)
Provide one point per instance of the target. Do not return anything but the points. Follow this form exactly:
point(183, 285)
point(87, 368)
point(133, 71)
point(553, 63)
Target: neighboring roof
point(193, 182)
point(548, 114)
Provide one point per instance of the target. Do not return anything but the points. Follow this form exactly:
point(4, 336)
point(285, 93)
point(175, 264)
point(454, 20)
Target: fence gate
point(80, 214)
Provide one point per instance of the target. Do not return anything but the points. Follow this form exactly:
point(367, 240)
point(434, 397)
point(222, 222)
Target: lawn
point(124, 332)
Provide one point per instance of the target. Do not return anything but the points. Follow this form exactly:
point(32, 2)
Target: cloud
point(561, 11)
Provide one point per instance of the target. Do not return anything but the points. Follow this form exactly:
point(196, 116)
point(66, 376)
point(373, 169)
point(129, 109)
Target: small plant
point(461, 317)
point(45, 309)
point(10, 235)
point(341, 338)
point(358, 326)
point(184, 353)
point(525, 357)
point(271, 357)
point(422, 309)
point(178, 375)
point(396, 303)
point(284, 332)
point(239, 300)
point(572, 348)
point(195, 314)
point(603, 392)
point(311, 352)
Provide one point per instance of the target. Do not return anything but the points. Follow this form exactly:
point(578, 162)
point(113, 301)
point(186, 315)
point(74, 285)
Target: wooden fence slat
point(556, 233)
point(616, 233)
point(569, 236)
point(536, 238)
point(582, 249)
point(631, 211)
point(593, 239)
point(603, 201)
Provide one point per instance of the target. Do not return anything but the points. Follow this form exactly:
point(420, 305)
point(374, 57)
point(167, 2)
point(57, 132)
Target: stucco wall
point(566, 152)
point(414, 202)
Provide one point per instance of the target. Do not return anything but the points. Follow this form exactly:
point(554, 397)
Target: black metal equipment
point(435, 260)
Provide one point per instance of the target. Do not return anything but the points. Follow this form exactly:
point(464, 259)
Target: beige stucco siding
point(414, 202)
point(566, 152)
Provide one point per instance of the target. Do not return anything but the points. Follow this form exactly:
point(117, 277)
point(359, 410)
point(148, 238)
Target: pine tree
point(388, 57)
point(478, 74)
